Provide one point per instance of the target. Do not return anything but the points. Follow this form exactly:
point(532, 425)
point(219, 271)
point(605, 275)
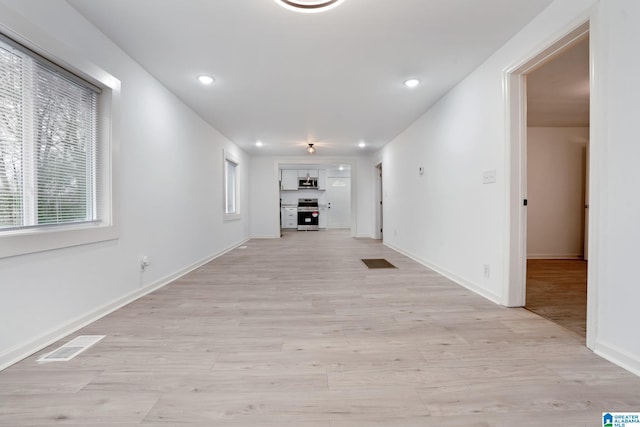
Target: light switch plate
point(489, 176)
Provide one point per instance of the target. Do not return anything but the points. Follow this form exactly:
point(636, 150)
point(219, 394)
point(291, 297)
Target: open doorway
point(549, 99)
point(557, 153)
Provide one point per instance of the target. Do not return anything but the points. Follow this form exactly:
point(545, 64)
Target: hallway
point(298, 332)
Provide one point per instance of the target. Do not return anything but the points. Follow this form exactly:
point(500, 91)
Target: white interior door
point(338, 203)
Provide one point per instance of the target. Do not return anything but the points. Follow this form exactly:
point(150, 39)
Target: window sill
point(38, 240)
point(231, 217)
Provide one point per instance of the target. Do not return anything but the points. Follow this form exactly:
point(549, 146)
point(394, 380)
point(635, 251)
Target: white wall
point(614, 205)
point(556, 159)
point(265, 190)
point(449, 220)
point(169, 199)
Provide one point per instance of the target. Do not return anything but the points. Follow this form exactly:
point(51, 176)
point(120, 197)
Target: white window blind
point(48, 137)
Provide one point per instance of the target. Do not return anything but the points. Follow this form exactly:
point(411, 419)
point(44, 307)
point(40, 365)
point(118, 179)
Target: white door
point(338, 203)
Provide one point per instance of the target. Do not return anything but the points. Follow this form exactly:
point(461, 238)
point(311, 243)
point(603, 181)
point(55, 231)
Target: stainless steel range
point(308, 214)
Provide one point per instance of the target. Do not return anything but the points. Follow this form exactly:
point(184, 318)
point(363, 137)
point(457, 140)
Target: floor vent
point(378, 263)
point(71, 349)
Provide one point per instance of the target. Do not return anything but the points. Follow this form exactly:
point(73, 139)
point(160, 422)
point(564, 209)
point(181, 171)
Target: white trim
point(266, 237)
point(514, 89)
point(555, 256)
point(597, 170)
point(378, 202)
point(443, 272)
point(22, 351)
point(615, 355)
point(228, 157)
point(232, 217)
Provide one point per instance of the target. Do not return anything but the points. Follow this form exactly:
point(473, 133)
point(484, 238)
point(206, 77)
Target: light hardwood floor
point(298, 332)
point(557, 290)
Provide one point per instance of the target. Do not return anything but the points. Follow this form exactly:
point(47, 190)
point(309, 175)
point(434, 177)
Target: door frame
point(378, 223)
point(515, 98)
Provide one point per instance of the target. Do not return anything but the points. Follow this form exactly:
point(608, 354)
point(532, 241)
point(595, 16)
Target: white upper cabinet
point(322, 179)
point(289, 179)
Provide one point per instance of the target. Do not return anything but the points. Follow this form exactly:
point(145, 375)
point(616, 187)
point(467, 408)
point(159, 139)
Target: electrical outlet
point(487, 271)
point(145, 263)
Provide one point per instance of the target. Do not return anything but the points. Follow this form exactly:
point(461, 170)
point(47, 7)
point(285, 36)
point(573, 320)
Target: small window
point(231, 206)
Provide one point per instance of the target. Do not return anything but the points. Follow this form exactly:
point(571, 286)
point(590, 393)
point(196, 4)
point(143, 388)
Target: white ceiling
point(558, 92)
point(332, 78)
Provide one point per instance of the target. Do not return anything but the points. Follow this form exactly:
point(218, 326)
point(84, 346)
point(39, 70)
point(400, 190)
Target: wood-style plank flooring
point(557, 290)
point(298, 332)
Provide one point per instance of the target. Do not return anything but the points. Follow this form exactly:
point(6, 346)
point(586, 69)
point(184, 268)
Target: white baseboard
point(365, 236)
point(617, 356)
point(460, 281)
point(19, 352)
point(554, 256)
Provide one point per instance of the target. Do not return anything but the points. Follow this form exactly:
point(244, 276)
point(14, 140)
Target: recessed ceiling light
point(362, 144)
point(341, 168)
point(205, 80)
point(412, 83)
point(309, 6)
point(259, 144)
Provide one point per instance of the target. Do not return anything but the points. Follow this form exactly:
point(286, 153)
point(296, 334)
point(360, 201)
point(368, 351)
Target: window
point(48, 125)
point(231, 208)
point(230, 188)
point(55, 151)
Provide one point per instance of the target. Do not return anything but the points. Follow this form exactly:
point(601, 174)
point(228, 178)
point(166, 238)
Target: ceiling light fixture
point(362, 144)
point(311, 149)
point(205, 80)
point(412, 83)
point(259, 144)
point(309, 6)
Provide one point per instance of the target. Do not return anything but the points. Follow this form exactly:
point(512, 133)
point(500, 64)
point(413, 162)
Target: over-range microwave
point(308, 183)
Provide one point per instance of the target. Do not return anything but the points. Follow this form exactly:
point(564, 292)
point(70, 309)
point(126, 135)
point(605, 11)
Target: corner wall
point(169, 199)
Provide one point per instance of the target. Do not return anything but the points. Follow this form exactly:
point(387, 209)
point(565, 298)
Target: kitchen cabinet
point(289, 179)
point(302, 173)
point(290, 217)
point(322, 179)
